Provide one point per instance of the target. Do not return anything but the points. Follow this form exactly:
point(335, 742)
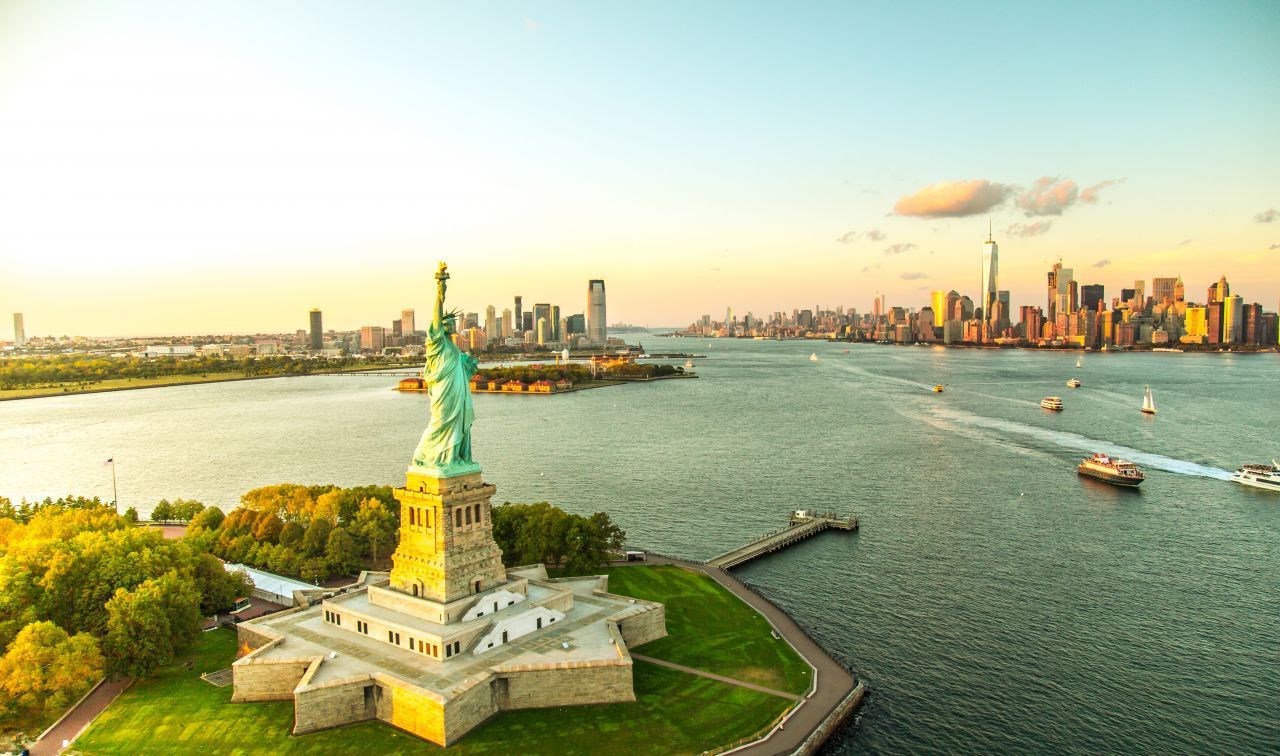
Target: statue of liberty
point(445, 448)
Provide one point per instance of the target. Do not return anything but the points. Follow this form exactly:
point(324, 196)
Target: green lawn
point(177, 712)
point(711, 629)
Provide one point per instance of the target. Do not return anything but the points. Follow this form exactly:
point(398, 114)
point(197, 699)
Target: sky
point(171, 167)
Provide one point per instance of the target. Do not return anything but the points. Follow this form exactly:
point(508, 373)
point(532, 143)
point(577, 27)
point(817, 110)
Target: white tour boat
point(1266, 477)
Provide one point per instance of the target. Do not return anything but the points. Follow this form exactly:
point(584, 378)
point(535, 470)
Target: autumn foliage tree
point(45, 670)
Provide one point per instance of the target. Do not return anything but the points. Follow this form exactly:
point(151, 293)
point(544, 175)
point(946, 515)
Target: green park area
point(174, 711)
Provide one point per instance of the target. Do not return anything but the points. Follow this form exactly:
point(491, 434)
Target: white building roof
point(265, 581)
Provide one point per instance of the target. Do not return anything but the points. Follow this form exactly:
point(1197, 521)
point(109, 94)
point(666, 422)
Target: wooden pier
point(802, 525)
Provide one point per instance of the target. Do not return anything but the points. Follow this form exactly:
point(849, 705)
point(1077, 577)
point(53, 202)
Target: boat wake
point(1069, 440)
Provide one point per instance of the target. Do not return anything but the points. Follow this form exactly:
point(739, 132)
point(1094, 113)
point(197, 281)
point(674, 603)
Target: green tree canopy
point(45, 670)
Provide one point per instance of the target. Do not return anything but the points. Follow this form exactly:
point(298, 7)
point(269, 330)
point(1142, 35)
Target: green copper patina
point(445, 448)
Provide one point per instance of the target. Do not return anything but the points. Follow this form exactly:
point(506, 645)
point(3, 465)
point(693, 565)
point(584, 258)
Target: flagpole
point(115, 498)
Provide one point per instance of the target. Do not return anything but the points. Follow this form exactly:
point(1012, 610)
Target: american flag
point(109, 462)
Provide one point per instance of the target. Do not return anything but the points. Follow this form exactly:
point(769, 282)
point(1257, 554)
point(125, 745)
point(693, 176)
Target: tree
point(185, 510)
point(317, 535)
point(377, 526)
point(44, 670)
point(162, 512)
point(314, 570)
point(342, 552)
point(267, 530)
point(147, 626)
point(131, 515)
point(210, 518)
point(217, 586)
point(291, 534)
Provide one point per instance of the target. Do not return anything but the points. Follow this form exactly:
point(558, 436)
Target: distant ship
point(688, 363)
point(1079, 362)
point(1110, 470)
point(938, 389)
point(1074, 383)
point(1266, 477)
point(1052, 403)
point(1149, 402)
point(813, 357)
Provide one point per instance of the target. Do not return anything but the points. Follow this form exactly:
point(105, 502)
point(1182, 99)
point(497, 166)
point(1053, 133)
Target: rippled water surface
point(993, 600)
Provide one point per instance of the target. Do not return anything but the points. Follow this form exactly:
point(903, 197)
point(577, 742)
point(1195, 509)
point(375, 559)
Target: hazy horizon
point(174, 169)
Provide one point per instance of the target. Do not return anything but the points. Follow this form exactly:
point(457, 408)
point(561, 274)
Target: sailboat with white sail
point(1149, 402)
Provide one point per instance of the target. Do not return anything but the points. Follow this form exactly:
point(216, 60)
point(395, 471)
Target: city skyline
point(327, 159)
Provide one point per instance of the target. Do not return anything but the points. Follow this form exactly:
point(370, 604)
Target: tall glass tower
point(990, 284)
point(596, 330)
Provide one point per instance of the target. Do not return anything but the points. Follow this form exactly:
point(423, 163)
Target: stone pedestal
point(446, 550)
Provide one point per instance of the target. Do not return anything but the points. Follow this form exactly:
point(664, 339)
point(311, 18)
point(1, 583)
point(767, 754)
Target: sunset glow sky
point(223, 167)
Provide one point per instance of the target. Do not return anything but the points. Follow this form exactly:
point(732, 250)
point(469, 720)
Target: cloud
point(913, 276)
point(1274, 246)
point(866, 268)
point(954, 199)
point(897, 249)
point(849, 237)
point(1184, 242)
point(1049, 195)
point(1267, 217)
point(1090, 194)
point(1029, 229)
point(1102, 263)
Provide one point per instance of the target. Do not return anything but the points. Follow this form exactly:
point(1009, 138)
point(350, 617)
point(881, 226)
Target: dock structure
point(803, 524)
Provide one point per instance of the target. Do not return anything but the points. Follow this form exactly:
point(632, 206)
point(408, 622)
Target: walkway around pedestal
point(834, 694)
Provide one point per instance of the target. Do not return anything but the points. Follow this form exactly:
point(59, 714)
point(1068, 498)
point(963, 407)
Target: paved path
point(713, 676)
point(834, 681)
point(75, 722)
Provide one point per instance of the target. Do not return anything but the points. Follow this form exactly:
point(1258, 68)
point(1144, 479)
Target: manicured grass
point(709, 628)
point(177, 712)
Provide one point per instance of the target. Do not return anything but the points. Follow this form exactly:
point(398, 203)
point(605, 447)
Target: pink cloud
point(1029, 229)
point(897, 249)
point(1049, 195)
point(954, 199)
point(1090, 194)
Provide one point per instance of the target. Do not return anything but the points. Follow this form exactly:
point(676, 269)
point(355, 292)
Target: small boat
point(846, 351)
point(937, 389)
point(1149, 402)
point(1052, 403)
point(1117, 472)
point(688, 363)
point(813, 357)
point(1074, 383)
point(1079, 362)
point(1266, 477)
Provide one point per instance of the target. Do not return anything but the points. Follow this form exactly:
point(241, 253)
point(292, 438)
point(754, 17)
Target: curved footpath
point(837, 693)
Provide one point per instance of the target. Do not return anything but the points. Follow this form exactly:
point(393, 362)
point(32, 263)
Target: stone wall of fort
point(644, 626)
point(266, 679)
point(411, 708)
point(573, 684)
point(332, 704)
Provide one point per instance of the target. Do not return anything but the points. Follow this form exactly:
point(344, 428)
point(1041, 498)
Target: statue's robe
point(447, 441)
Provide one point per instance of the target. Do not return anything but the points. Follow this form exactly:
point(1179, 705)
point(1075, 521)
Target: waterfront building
point(1051, 309)
point(19, 331)
point(1251, 328)
point(1092, 296)
point(939, 308)
point(1163, 290)
point(925, 325)
point(1196, 325)
point(990, 284)
point(373, 338)
point(1126, 334)
point(597, 333)
point(317, 330)
point(491, 321)
point(1233, 319)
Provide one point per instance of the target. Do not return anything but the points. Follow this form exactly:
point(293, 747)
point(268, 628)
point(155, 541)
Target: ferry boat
point(1074, 383)
point(1149, 402)
point(1266, 477)
point(813, 357)
point(937, 389)
point(1111, 470)
point(1052, 403)
point(688, 363)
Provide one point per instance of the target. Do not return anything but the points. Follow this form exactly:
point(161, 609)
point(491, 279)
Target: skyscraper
point(1233, 320)
point(373, 338)
point(1052, 308)
point(541, 312)
point(1065, 303)
point(1091, 295)
point(519, 314)
point(597, 332)
point(407, 326)
point(1140, 296)
point(990, 284)
point(507, 331)
point(317, 330)
point(1220, 291)
point(491, 322)
point(1162, 289)
point(19, 330)
point(938, 305)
